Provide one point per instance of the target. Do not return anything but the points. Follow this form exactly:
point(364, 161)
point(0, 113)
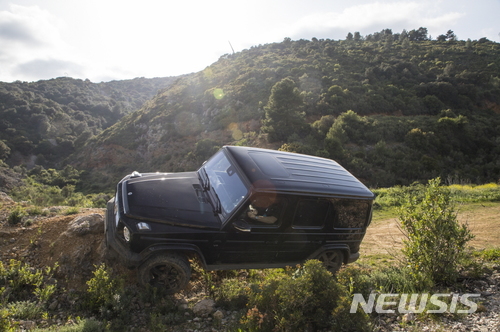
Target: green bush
point(492, 254)
point(44, 195)
point(71, 210)
point(400, 279)
point(21, 278)
point(311, 299)
point(103, 290)
point(435, 241)
point(232, 294)
point(356, 279)
point(5, 324)
point(16, 215)
point(26, 310)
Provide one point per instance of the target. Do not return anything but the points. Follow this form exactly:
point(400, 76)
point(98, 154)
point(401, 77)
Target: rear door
point(309, 227)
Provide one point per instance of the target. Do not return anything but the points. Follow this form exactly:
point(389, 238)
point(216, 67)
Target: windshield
point(226, 183)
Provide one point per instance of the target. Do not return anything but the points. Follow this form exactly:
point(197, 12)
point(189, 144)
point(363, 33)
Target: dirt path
point(385, 237)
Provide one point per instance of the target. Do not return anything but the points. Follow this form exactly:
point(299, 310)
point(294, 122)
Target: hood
point(174, 198)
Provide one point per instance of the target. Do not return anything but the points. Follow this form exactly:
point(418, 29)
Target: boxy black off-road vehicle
point(244, 208)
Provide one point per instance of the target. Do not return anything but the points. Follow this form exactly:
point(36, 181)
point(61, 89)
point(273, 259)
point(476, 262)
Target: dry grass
point(384, 237)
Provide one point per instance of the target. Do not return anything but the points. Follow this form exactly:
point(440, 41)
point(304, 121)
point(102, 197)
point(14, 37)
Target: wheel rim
point(165, 275)
point(332, 260)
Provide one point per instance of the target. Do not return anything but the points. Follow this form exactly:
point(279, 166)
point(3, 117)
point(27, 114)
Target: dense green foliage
point(387, 198)
point(50, 119)
point(309, 300)
point(24, 292)
point(392, 108)
point(44, 188)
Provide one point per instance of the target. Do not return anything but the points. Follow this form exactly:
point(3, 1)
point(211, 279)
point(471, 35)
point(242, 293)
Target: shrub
point(492, 254)
point(400, 279)
point(231, 294)
point(311, 299)
point(5, 324)
point(71, 210)
point(435, 240)
point(16, 216)
point(20, 277)
point(103, 289)
point(25, 310)
point(356, 279)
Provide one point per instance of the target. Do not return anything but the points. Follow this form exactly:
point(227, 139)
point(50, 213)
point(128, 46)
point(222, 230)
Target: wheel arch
point(342, 247)
point(187, 250)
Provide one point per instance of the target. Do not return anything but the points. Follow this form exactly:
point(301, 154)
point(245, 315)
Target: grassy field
point(477, 206)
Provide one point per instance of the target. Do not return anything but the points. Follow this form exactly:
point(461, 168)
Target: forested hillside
point(44, 122)
point(393, 108)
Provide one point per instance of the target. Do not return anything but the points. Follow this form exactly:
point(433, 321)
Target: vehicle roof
point(297, 173)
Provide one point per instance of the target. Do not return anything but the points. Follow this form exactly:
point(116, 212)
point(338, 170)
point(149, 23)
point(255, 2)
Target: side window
point(264, 210)
point(351, 213)
point(311, 213)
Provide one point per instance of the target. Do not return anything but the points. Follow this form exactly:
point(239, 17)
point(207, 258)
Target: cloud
point(29, 36)
point(374, 17)
point(46, 69)
point(29, 27)
point(12, 31)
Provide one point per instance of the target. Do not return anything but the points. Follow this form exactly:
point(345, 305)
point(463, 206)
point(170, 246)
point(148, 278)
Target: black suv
point(245, 208)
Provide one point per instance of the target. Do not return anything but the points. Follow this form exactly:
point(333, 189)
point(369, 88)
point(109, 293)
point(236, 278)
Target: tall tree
point(450, 36)
point(418, 35)
point(284, 111)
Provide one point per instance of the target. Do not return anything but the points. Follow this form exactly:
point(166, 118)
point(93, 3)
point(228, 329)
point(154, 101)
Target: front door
point(255, 235)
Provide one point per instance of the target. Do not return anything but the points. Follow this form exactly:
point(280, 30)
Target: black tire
point(331, 259)
point(169, 271)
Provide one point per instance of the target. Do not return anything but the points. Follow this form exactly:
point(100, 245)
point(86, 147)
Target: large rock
point(204, 308)
point(5, 198)
point(89, 224)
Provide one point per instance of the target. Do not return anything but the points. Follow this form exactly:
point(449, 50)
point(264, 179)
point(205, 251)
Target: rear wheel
point(331, 259)
point(169, 271)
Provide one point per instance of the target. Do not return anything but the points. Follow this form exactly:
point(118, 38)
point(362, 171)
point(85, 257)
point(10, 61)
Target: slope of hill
point(392, 108)
point(44, 122)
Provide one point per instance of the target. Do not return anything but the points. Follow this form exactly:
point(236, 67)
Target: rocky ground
point(75, 242)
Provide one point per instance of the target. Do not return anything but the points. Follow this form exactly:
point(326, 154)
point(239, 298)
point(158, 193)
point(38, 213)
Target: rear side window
point(311, 213)
point(351, 213)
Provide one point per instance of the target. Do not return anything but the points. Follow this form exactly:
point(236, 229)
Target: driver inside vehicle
point(263, 209)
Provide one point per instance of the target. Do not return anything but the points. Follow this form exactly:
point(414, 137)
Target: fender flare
point(184, 248)
point(342, 247)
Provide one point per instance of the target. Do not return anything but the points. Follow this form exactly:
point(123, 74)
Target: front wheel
point(169, 271)
point(331, 259)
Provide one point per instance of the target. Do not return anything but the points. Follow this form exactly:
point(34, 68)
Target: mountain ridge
point(393, 108)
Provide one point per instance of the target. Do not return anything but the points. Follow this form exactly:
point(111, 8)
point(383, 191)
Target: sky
point(104, 40)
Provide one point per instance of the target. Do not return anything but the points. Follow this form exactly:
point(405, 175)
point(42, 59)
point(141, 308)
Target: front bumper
point(126, 257)
point(353, 257)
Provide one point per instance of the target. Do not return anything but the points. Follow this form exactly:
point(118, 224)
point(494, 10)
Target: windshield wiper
point(205, 183)
point(218, 205)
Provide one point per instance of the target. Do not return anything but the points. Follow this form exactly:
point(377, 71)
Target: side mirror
point(242, 226)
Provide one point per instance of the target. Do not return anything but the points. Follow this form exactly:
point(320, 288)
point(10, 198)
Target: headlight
point(126, 234)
